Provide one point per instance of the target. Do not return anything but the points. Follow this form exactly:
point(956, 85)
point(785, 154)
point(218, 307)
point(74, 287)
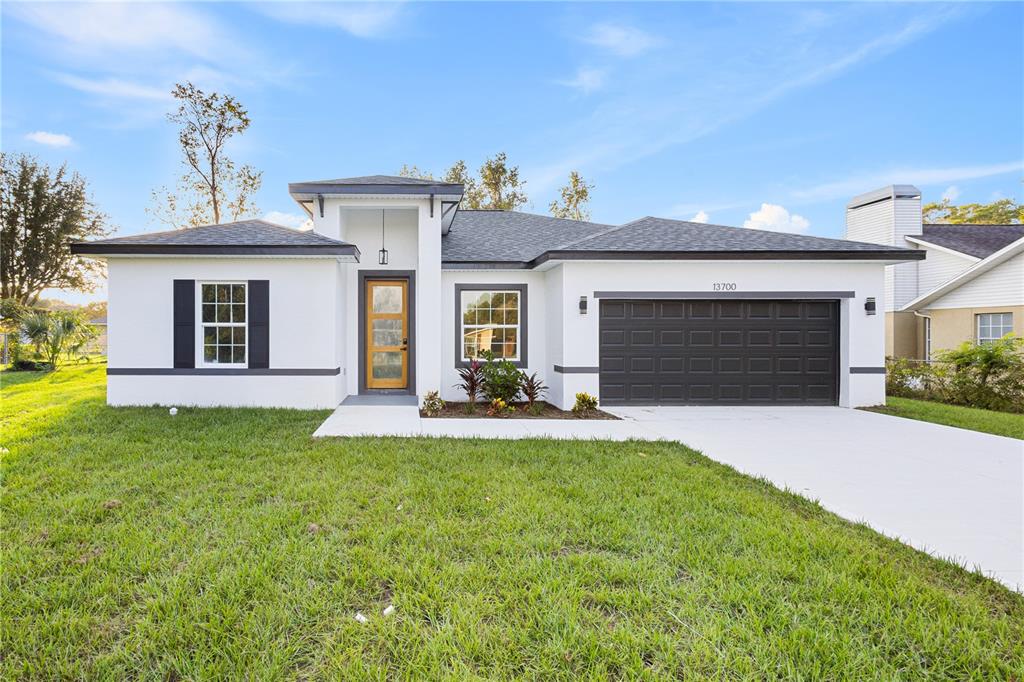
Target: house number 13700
point(724, 286)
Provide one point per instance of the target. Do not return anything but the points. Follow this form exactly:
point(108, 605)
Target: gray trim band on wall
point(577, 370)
point(222, 371)
point(743, 295)
point(524, 310)
point(867, 370)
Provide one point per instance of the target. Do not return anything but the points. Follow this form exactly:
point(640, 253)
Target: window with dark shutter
point(259, 323)
point(184, 323)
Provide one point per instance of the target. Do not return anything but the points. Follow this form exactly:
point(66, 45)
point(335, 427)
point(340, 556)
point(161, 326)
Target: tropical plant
point(500, 408)
point(57, 334)
point(987, 375)
point(585, 404)
point(532, 387)
point(433, 404)
point(501, 379)
point(471, 382)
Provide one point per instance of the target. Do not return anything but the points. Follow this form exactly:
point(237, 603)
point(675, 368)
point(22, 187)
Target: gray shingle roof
point(255, 237)
point(506, 236)
point(509, 236)
point(373, 184)
point(376, 180)
point(980, 241)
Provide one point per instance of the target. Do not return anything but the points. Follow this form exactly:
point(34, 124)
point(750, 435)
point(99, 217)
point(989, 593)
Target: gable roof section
point(981, 267)
point(375, 184)
point(980, 241)
point(244, 237)
point(509, 237)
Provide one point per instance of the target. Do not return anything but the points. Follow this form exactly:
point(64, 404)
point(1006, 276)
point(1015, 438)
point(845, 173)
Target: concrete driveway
point(955, 493)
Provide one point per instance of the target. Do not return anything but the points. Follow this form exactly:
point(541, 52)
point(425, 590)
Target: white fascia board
point(943, 249)
point(1002, 255)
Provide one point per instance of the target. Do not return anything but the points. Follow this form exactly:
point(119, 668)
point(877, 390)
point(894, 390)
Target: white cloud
point(775, 218)
point(298, 222)
point(620, 39)
point(701, 217)
point(364, 20)
point(586, 80)
point(98, 28)
point(50, 139)
point(865, 182)
point(115, 88)
point(951, 194)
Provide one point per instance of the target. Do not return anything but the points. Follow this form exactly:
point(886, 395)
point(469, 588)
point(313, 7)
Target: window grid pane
point(223, 315)
point(994, 326)
point(490, 322)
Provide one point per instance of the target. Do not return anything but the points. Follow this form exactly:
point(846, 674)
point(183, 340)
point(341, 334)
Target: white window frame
point(201, 326)
point(1005, 323)
point(928, 339)
point(521, 330)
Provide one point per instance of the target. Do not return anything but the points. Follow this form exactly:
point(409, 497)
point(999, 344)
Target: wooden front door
point(387, 333)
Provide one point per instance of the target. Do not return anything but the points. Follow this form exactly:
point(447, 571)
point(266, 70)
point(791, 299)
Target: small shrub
point(27, 365)
point(585, 404)
point(472, 382)
point(988, 375)
point(536, 408)
point(500, 408)
point(56, 334)
point(906, 378)
point(501, 379)
point(432, 404)
point(533, 388)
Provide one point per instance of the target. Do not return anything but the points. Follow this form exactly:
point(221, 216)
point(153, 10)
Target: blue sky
point(676, 110)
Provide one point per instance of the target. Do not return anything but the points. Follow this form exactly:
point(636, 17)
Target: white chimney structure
point(887, 216)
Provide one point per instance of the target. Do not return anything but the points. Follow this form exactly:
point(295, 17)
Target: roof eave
point(304, 191)
point(900, 256)
point(327, 250)
point(981, 267)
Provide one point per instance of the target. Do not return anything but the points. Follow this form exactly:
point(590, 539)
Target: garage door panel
point(719, 352)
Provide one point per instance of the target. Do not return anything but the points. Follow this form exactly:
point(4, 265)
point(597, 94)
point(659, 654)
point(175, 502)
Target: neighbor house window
point(492, 320)
point(994, 326)
point(222, 318)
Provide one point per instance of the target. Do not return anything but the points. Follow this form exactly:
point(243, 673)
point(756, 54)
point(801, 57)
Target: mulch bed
point(549, 411)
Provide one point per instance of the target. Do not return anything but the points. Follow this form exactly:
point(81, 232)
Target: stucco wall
point(572, 338)
point(903, 332)
point(302, 336)
point(953, 326)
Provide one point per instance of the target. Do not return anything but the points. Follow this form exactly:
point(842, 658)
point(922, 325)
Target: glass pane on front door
point(387, 298)
point(387, 332)
point(387, 365)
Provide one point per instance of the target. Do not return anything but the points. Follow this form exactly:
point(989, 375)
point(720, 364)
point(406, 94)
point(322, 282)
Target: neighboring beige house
point(970, 287)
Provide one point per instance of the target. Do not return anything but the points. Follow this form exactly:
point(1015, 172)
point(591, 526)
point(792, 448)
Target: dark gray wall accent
point(727, 295)
point(524, 310)
point(365, 275)
point(222, 371)
point(867, 370)
point(184, 323)
point(577, 370)
point(259, 323)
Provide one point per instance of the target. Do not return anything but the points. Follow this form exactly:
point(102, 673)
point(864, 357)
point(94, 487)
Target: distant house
point(969, 288)
point(99, 344)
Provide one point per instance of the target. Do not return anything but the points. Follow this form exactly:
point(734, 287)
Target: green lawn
point(986, 421)
point(228, 543)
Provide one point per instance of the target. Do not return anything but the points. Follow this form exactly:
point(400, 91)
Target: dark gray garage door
point(719, 352)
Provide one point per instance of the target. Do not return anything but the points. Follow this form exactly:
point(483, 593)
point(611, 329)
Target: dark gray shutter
point(259, 323)
point(184, 323)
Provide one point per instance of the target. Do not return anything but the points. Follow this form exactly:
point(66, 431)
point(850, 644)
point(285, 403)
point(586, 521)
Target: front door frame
point(410, 277)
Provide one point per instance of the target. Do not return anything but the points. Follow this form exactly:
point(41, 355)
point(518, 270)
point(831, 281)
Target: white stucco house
point(396, 287)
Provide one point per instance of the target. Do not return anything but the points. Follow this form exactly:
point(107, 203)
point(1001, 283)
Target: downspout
point(927, 350)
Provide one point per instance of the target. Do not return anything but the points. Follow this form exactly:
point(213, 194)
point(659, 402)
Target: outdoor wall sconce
point(382, 255)
point(583, 305)
point(869, 306)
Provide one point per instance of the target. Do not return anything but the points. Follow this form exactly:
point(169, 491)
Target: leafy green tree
point(57, 334)
point(575, 197)
point(500, 184)
point(1000, 212)
point(212, 187)
point(41, 213)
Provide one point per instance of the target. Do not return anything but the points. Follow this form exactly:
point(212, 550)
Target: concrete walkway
point(955, 493)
